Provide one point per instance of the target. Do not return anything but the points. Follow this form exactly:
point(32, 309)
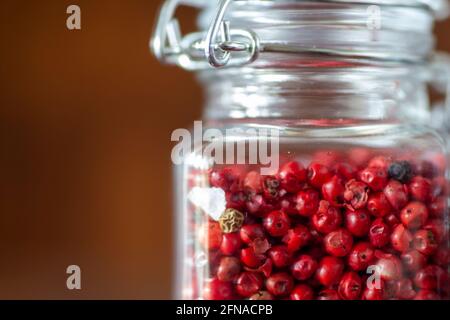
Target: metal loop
point(219, 53)
point(169, 46)
point(167, 30)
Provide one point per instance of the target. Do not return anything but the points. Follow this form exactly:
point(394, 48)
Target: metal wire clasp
point(165, 42)
point(219, 44)
point(190, 51)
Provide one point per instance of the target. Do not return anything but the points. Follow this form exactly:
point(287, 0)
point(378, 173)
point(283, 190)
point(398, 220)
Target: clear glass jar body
point(356, 207)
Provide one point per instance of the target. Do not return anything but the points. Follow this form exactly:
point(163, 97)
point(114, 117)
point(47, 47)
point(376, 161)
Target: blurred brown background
point(85, 120)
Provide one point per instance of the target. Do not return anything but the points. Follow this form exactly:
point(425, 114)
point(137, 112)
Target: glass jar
point(440, 116)
point(314, 174)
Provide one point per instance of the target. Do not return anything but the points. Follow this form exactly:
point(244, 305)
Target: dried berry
point(231, 220)
point(313, 233)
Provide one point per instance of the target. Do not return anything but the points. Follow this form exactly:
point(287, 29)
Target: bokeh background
point(85, 170)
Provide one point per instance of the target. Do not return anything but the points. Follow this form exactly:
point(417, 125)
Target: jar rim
point(239, 32)
point(440, 8)
point(344, 29)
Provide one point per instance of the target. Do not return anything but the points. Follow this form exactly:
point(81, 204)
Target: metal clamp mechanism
point(165, 42)
point(225, 46)
point(196, 50)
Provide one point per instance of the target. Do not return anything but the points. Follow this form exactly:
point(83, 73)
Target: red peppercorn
point(304, 267)
point(227, 178)
point(438, 228)
point(426, 169)
point(420, 188)
point(413, 260)
point(358, 222)
point(288, 204)
point(431, 277)
point(442, 256)
point(279, 256)
point(359, 156)
point(439, 187)
point(380, 162)
point(344, 170)
point(302, 292)
point(338, 243)
point(379, 233)
point(356, 194)
point(307, 202)
point(236, 200)
point(265, 268)
point(210, 235)
point(392, 220)
point(271, 187)
point(427, 295)
point(316, 240)
point(397, 194)
point(292, 176)
point(327, 218)
point(329, 271)
point(333, 191)
point(438, 207)
point(399, 289)
point(280, 284)
point(425, 242)
point(252, 182)
point(229, 268)
point(258, 206)
point(378, 205)
point(250, 232)
point(389, 267)
point(248, 283)
point(414, 215)
point(350, 286)
point(250, 258)
point(277, 223)
point(361, 256)
point(297, 238)
point(375, 177)
point(231, 243)
point(318, 174)
point(401, 238)
point(260, 246)
point(218, 290)
point(326, 157)
point(328, 294)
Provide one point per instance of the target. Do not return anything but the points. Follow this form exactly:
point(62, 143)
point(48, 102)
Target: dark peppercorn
point(401, 171)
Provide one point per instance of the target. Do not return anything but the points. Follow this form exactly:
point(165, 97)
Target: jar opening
point(234, 33)
point(288, 30)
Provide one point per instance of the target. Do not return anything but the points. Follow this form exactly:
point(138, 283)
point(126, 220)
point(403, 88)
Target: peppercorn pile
point(330, 231)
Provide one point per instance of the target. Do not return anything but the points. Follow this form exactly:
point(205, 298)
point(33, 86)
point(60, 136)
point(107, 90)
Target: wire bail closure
point(197, 50)
point(220, 30)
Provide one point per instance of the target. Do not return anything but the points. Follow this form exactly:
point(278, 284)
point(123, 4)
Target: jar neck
point(339, 95)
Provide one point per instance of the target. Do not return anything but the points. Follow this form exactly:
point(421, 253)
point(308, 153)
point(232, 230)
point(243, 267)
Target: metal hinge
point(220, 46)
